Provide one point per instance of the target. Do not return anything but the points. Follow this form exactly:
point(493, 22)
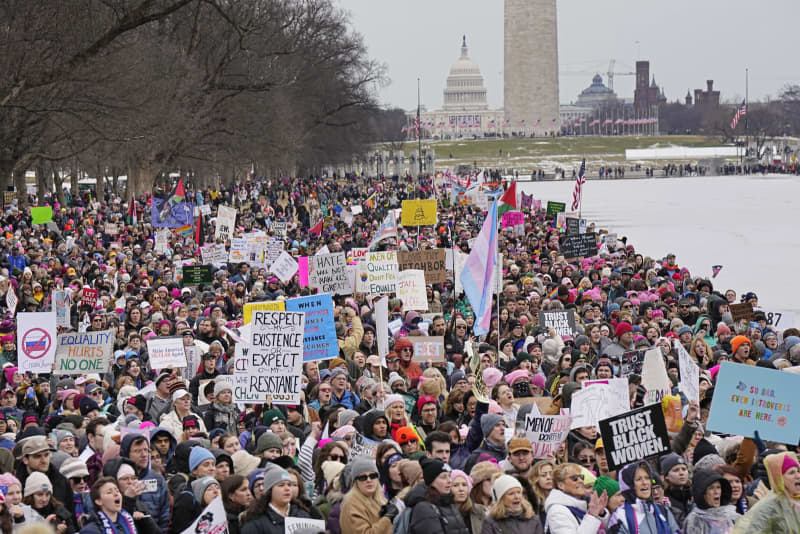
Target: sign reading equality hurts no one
point(562, 321)
point(635, 435)
point(87, 352)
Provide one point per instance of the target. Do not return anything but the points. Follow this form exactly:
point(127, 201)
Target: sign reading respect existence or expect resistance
point(84, 352)
point(748, 398)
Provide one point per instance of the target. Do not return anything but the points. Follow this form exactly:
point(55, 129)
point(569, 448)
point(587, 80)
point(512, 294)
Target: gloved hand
point(760, 445)
point(389, 510)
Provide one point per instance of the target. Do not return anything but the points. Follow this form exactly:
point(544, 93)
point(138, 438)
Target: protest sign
point(654, 376)
point(615, 395)
point(579, 245)
point(512, 218)
point(273, 361)
point(432, 261)
point(319, 333)
point(378, 274)
point(382, 327)
point(780, 319)
point(195, 275)
point(294, 525)
point(598, 401)
point(212, 520)
point(361, 446)
point(41, 214)
point(110, 228)
point(302, 271)
point(194, 359)
point(611, 240)
point(81, 353)
point(279, 228)
point(562, 321)
point(162, 241)
point(631, 363)
point(226, 222)
point(358, 254)
point(205, 210)
point(636, 435)
point(546, 433)
point(748, 398)
point(238, 251)
point(553, 208)
point(272, 251)
point(418, 212)
point(741, 312)
point(284, 267)
point(165, 214)
point(328, 273)
point(166, 352)
point(576, 226)
point(689, 383)
point(428, 348)
point(11, 300)
point(36, 341)
point(459, 261)
point(89, 297)
point(61, 308)
point(411, 290)
point(251, 307)
point(356, 210)
point(214, 254)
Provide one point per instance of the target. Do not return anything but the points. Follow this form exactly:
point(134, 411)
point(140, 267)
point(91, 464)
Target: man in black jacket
point(36, 457)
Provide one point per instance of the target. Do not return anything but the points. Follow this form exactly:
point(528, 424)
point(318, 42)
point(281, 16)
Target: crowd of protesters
point(138, 449)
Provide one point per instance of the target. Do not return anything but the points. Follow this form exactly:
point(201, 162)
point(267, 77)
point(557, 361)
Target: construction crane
point(611, 73)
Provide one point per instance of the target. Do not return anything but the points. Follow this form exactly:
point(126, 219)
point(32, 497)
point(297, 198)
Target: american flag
point(579, 181)
point(741, 112)
point(416, 126)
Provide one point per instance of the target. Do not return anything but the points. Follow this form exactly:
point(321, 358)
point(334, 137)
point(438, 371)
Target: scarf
point(125, 521)
point(662, 524)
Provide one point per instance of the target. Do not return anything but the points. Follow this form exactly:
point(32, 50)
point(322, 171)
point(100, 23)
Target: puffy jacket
point(429, 518)
point(562, 520)
point(680, 502)
point(156, 501)
point(705, 520)
point(271, 522)
point(512, 525)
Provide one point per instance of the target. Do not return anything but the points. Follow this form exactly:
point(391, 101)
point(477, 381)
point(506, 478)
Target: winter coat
point(512, 525)
point(271, 522)
point(224, 416)
point(62, 490)
point(703, 519)
point(157, 501)
point(430, 518)
point(174, 423)
point(29, 516)
point(680, 502)
point(645, 516)
point(562, 520)
point(361, 515)
point(498, 452)
point(94, 525)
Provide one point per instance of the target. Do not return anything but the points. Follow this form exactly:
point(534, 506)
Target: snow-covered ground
point(747, 224)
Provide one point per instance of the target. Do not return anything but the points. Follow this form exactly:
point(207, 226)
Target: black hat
point(432, 468)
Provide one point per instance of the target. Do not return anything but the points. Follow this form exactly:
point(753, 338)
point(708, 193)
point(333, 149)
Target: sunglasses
point(80, 479)
point(368, 476)
point(336, 458)
point(575, 478)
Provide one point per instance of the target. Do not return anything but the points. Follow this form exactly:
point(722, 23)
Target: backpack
point(402, 523)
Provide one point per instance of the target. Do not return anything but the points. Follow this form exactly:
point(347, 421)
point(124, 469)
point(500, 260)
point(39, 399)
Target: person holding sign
point(566, 508)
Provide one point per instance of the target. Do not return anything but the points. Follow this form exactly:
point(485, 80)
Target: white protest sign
point(382, 327)
point(654, 377)
point(411, 289)
point(166, 352)
point(356, 210)
point(81, 353)
point(214, 254)
point(205, 210)
point(297, 524)
point(359, 254)
point(279, 228)
point(162, 241)
point(322, 251)
point(110, 228)
point(284, 267)
point(12, 300)
point(36, 341)
point(779, 319)
point(238, 251)
point(616, 396)
point(226, 222)
point(61, 308)
point(273, 250)
point(689, 383)
point(378, 275)
point(546, 433)
point(328, 273)
point(212, 520)
point(598, 401)
point(361, 446)
point(459, 260)
point(271, 365)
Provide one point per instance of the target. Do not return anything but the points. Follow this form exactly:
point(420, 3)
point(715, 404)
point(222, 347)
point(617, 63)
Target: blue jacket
point(348, 399)
point(156, 501)
point(17, 261)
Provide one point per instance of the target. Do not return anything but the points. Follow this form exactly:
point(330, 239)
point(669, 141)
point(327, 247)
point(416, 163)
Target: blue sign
point(319, 339)
point(175, 216)
point(748, 398)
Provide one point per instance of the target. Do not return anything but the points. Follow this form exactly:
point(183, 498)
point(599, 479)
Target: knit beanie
point(502, 484)
point(432, 468)
point(331, 470)
point(268, 440)
point(488, 422)
point(37, 481)
point(220, 386)
point(455, 473)
point(74, 467)
point(346, 416)
point(607, 484)
point(125, 470)
point(275, 476)
point(491, 376)
point(8, 480)
point(200, 486)
point(197, 456)
point(361, 465)
point(410, 469)
point(668, 461)
point(258, 474)
point(483, 471)
point(391, 399)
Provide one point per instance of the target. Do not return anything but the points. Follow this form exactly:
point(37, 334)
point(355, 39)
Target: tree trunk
point(22, 189)
point(73, 179)
point(58, 185)
point(41, 185)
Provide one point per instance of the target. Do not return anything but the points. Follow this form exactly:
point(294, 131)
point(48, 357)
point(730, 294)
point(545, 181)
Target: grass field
point(548, 153)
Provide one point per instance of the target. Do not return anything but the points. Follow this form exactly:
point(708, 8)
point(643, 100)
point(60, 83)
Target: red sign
point(89, 298)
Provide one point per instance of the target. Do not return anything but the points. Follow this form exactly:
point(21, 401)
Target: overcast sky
point(686, 41)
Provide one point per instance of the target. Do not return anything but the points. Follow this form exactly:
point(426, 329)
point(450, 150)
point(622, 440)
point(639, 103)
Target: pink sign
point(513, 218)
point(302, 270)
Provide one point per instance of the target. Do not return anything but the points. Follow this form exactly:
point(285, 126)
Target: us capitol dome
point(465, 90)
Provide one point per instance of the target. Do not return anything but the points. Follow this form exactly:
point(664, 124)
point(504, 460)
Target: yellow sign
point(418, 212)
point(277, 305)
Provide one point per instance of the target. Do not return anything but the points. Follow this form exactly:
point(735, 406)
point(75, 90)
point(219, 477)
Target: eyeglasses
point(461, 326)
point(576, 478)
point(407, 349)
point(80, 479)
point(336, 458)
point(367, 476)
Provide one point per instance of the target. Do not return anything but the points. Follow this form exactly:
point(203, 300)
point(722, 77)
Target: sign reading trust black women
point(634, 435)
point(562, 321)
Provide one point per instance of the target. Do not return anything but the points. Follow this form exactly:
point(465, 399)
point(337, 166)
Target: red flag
point(199, 231)
point(510, 196)
point(316, 229)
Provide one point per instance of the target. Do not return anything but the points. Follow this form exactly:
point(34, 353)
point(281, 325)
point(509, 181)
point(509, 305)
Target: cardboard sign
point(418, 212)
point(689, 383)
point(294, 525)
point(212, 520)
point(631, 363)
point(546, 433)
point(361, 446)
point(89, 297)
point(553, 208)
point(36, 341)
point(214, 254)
point(81, 353)
point(599, 401)
point(741, 312)
point(432, 261)
point(110, 228)
point(654, 376)
point(578, 245)
point(226, 222)
point(238, 251)
point(378, 275)
point(166, 352)
point(273, 362)
point(284, 267)
point(319, 334)
point(328, 273)
point(635, 435)
point(562, 321)
point(428, 348)
point(411, 290)
point(61, 308)
point(512, 218)
point(749, 398)
point(279, 228)
point(195, 275)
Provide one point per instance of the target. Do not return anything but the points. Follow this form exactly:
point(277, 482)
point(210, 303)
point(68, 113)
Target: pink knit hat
point(491, 376)
point(516, 375)
point(455, 473)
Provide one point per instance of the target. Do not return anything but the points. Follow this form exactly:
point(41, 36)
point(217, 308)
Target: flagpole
point(746, 102)
point(580, 204)
point(419, 131)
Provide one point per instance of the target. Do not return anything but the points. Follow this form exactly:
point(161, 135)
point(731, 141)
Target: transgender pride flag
point(477, 278)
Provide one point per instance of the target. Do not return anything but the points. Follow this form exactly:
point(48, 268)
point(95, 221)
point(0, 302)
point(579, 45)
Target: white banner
point(226, 222)
point(212, 520)
point(214, 254)
point(654, 376)
point(61, 308)
point(36, 341)
point(411, 289)
point(284, 267)
point(166, 352)
point(689, 383)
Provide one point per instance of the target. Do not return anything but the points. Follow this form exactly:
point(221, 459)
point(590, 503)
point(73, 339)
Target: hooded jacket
point(368, 420)
point(429, 518)
point(156, 501)
point(704, 519)
point(778, 512)
point(132, 504)
point(646, 513)
point(172, 441)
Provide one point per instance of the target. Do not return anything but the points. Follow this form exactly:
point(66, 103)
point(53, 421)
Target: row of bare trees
point(211, 87)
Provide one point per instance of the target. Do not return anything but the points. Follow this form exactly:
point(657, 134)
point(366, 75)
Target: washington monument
point(530, 72)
